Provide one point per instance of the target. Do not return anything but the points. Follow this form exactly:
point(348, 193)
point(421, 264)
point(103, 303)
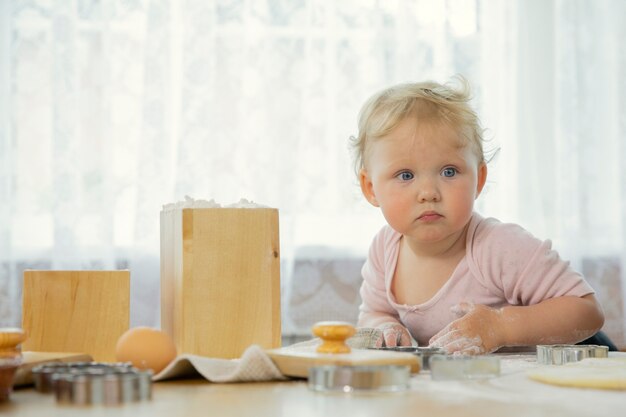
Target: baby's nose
point(428, 194)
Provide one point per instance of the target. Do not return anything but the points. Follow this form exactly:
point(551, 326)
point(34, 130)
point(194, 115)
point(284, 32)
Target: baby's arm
point(482, 329)
point(547, 301)
point(376, 310)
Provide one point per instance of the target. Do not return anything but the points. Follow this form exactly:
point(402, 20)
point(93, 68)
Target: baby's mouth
point(429, 216)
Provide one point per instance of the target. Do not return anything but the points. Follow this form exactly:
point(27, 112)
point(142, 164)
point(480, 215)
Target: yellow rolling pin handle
point(10, 337)
point(333, 335)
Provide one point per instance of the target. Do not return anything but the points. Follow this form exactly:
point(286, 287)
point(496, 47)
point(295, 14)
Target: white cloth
point(254, 365)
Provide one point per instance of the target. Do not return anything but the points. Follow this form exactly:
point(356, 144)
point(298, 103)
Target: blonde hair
point(425, 101)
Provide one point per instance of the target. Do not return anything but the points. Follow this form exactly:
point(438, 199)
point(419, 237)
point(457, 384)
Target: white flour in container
point(190, 202)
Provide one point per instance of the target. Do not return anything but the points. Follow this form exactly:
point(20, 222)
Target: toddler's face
point(422, 179)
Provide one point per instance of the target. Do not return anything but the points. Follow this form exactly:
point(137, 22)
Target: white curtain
point(110, 109)
point(560, 172)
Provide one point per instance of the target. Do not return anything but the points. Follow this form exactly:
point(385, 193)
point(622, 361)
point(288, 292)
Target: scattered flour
point(514, 387)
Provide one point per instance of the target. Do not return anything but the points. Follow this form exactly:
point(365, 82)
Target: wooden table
point(510, 395)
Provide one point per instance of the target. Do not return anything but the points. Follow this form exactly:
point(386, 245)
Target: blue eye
point(449, 172)
point(405, 176)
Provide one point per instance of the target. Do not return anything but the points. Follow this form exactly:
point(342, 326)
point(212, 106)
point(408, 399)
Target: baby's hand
point(476, 331)
point(393, 334)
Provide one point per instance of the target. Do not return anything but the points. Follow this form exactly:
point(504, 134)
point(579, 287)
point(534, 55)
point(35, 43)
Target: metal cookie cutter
point(445, 367)
point(43, 374)
point(359, 379)
point(423, 353)
point(562, 354)
point(93, 383)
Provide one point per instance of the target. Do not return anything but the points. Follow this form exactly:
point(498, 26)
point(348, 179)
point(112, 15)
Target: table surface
point(511, 394)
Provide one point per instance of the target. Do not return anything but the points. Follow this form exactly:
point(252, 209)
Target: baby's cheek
point(397, 214)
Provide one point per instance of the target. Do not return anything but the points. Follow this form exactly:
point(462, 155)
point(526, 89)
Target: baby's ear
point(367, 187)
point(482, 178)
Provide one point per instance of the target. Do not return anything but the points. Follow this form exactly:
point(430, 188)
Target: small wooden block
point(220, 279)
point(75, 311)
point(296, 361)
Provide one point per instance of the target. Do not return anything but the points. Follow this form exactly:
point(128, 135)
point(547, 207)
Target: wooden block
point(220, 280)
point(296, 361)
point(75, 311)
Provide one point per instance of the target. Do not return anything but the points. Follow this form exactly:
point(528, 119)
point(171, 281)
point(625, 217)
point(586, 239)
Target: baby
point(439, 272)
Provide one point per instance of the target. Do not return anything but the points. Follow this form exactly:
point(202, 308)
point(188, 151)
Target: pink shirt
point(503, 265)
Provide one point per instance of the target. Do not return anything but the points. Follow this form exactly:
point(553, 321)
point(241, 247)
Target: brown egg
point(146, 348)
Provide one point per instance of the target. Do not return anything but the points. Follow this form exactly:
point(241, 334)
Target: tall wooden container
point(220, 279)
point(75, 311)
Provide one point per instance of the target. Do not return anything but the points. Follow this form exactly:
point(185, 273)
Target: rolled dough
point(599, 373)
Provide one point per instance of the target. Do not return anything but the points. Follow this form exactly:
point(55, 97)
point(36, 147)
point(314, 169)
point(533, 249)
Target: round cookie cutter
point(355, 379)
point(43, 375)
point(93, 383)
